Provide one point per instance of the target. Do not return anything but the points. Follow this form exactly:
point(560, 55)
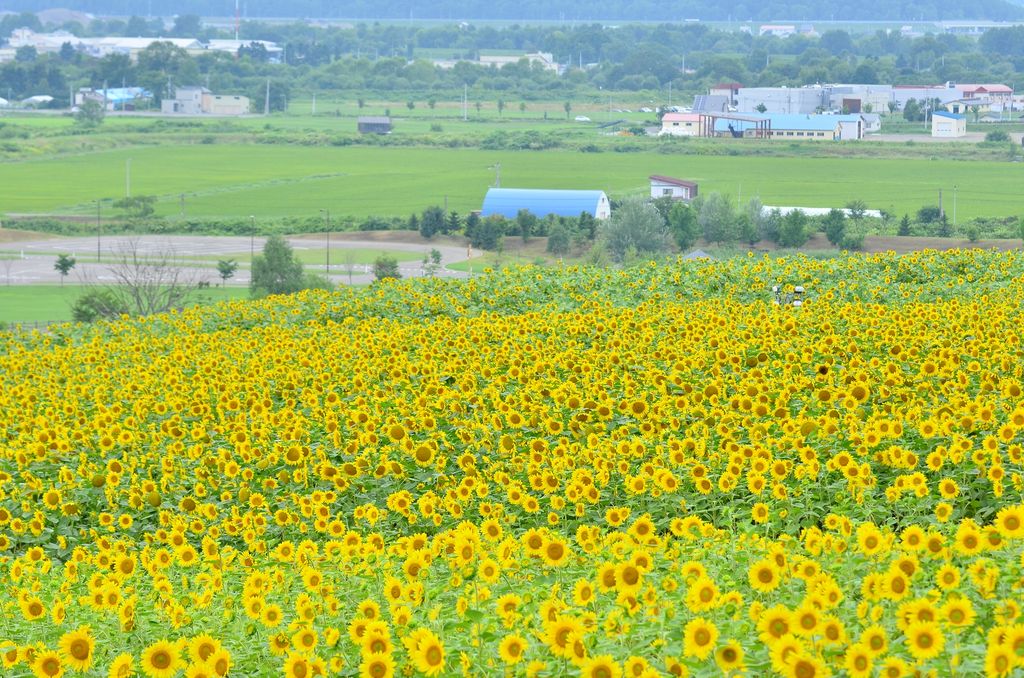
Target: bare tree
point(144, 283)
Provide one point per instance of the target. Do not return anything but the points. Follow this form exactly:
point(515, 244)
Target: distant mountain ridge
point(559, 10)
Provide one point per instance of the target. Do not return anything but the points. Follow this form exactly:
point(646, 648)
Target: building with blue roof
point(948, 125)
point(115, 98)
point(507, 202)
point(792, 126)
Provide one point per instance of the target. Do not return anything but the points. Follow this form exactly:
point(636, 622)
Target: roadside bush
point(997, 136)
point(385, 267)
point(98, 304)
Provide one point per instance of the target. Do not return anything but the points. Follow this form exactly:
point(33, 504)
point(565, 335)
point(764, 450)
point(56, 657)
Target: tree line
point(368, 58)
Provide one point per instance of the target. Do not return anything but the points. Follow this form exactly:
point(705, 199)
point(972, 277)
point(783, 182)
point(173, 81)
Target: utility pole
point(465, 102)
point(98, 253)
point(266, 101)
point(327, 221)
point(314, 103)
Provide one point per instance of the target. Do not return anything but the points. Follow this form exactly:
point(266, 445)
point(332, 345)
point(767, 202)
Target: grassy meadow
point(52, 303)
point(270, 181)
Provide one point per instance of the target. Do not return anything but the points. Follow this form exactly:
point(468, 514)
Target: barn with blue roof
point(507, 202)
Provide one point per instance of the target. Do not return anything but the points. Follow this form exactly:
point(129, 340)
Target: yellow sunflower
point(77, 647)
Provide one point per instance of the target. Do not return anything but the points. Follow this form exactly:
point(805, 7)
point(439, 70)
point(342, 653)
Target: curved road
point(33, 260)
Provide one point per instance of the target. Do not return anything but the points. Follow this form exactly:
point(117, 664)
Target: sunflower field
point(538, 472)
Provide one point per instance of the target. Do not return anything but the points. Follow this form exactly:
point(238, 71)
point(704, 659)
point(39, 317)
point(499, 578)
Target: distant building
point(201, 101)
point(872, 122)
point(790, 100)
point(669, 187)
point(545, 60)
point(778, 30)
point(274, 51)
point(729, 90)
point(507, 202)
point(374, 124)
point(115, 98)
point(680, 124)
point(948, 125)
point(711, 103)
point(793, 127)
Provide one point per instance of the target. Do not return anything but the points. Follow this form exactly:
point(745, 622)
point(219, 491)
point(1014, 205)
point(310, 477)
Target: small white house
point(948, 125)
point(680, 124)
point(669, 187)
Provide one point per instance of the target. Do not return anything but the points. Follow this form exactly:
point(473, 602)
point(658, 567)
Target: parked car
point(582, 118)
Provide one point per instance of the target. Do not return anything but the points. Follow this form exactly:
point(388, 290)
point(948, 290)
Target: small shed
point(948, 125)
point(374, 124)
point(507, 202)
point(669, 187)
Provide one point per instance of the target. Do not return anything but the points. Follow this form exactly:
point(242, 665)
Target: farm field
point(561, 472)
point(238, 181)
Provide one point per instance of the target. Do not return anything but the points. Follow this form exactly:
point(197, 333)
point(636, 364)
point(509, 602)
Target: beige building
point(201, 101)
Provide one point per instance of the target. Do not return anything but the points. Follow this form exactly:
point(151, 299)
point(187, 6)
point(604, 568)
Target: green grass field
point(52, 303)
point(276, 181)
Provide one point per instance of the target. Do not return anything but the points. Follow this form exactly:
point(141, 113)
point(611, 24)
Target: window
point(666, 191)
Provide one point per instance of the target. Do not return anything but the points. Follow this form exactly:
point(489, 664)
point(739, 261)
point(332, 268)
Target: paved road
point(28, 262)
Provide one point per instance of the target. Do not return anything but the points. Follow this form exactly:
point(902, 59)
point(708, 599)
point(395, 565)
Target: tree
point(478, 105)
point(793, 231)
point(186, 26)
point(453, 224)
point(385, 267)
point(717, 218)
point(501, 107)
point(432, 262)
point(904, 228)
point(635, 226)
point(226, 268)
point(63, 265)
point(997, 136)
point(432, 103)
point(432, 221)
point(761, 108)
point(559, 239)
point(587, 226)
point(97, 304)
point(89, 115)
point(276, 270)
point(526, 222)
point(488, 234)
point(410, 104)
point(26, 54)
point(568, 109)
point(137, 207)
point(834, 225)
point(144, 283)
point(682, 222)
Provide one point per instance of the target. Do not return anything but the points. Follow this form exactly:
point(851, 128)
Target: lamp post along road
point(99, 256)
point(327, 225)
point(252, 238)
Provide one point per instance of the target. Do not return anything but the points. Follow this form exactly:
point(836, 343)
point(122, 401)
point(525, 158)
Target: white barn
point(669, 187)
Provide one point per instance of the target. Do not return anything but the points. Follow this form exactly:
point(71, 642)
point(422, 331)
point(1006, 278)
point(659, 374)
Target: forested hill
point(563, 10)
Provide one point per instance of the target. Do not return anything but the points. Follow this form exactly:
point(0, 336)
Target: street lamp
point(327, 220)
point(252, 237)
